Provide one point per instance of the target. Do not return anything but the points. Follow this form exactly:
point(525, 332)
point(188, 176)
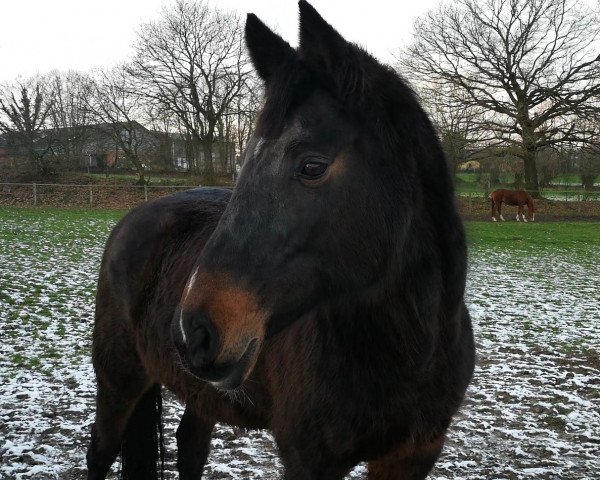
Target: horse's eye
point(313, 169)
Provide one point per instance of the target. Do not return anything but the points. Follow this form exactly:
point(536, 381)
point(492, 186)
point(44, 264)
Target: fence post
point(91, 197)
point(34, 194)
point(146, 193)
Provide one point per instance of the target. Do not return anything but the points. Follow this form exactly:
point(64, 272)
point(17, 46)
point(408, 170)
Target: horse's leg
point(113, 409)
point(523, 213)
point(312, 471)
point(193, 445)
point(309, 463)
point(500, 210)
point(407, 462)
point(493, 210)
point(519, 211)
point(122, 388)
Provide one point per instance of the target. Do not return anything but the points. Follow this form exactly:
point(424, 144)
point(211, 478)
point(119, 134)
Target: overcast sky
point(37, 36)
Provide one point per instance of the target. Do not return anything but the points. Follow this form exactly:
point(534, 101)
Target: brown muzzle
point(219, 330)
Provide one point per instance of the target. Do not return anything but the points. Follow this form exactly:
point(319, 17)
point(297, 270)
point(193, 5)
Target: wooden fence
point(555, 204)
point(76, 195)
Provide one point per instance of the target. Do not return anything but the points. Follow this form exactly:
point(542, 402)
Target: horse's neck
point(393, 324)
point(402, 314)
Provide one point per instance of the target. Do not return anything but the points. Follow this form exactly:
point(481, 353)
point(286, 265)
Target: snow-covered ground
point(532, 410)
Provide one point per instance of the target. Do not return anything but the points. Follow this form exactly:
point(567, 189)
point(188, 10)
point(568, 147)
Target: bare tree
point(533, 65)
point(245, 110)
point(164, 126)
point(589, 168)
point(458, 124)
point(24, 111)
point(589, 160)
point(69, 116)
point(116, 111)
point(192, 62)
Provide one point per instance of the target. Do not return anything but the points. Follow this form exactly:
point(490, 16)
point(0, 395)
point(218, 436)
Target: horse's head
point(327, 191)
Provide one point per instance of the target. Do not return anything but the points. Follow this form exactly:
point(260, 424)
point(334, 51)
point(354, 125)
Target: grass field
point(531, 411)
point(535, 235)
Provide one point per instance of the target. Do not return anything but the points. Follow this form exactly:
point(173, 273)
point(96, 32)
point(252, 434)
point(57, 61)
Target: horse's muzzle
point(197, 343)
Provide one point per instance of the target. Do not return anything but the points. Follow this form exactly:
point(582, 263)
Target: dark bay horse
point(520, 198)
point(326, 289)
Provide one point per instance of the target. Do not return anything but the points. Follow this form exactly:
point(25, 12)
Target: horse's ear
point(267, 49)
point(321, 46)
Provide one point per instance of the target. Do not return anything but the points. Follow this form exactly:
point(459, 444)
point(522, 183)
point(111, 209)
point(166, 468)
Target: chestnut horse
point(326, 289)
point(520, 198)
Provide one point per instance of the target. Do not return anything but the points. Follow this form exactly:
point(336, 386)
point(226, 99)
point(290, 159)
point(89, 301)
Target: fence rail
point(555, 203)
point(94, 193)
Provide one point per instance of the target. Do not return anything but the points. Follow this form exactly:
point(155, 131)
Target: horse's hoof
point(494, 219)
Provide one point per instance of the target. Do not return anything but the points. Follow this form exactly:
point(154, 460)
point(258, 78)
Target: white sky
point(37, 36)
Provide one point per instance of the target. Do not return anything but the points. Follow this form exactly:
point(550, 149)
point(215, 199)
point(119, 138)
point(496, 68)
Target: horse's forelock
point(369, 93)
point(286, 90)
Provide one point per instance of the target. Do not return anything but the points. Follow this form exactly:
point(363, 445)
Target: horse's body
point(322, 299)
point(518, 198)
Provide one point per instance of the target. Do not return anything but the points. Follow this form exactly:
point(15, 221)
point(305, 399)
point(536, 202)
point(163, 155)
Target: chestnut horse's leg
point(412, 462)
point(193, 445)
point(494, 210)
point(519, 211)
point(499, 205)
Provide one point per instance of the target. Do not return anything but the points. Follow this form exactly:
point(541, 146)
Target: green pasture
point(51, 256)
point(532, 292)
point(533, 235)
point(62, 223)
point(60, 217)
point(50, 259)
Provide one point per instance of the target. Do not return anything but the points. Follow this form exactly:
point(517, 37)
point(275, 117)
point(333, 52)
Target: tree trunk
point(141, 172)
point(494, 176)
point(587, 180)
point(209, 169)
point(518, 180)
point(528, 135)
point(530, 171)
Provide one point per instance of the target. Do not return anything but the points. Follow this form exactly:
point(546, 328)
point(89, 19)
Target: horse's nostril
point(202, 339)
point(201, 343)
